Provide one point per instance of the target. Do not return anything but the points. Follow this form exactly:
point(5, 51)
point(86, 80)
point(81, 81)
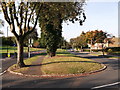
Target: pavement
point(99, 80)
point(5, 63)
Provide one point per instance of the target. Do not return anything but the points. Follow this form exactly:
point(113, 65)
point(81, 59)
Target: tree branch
point(12, 25)
point(21, 17)
point(30, 16)
point(28, 32)
point(16, 18)
point(26, 17)
point(4, 8)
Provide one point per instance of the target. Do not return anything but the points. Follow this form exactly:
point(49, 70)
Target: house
point(96, 46)
point(108, 42)
point(115, 42)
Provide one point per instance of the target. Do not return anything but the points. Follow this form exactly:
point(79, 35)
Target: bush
point(109, 51)
point(113, 48)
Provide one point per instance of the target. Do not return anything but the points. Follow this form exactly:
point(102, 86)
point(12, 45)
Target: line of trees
point(90, 37)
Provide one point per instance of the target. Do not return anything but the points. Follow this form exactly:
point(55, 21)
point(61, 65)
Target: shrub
point(109, 51)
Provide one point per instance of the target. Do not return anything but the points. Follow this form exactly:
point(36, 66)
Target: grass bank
point(67, 63)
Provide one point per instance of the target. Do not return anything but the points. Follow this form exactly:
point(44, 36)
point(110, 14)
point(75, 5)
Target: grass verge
point(68, 64)
point(12, 49)
point(63, 63)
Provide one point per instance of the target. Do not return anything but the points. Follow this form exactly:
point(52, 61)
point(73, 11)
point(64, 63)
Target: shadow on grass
point(60, 62)
point(38, 54)
point(62, 53)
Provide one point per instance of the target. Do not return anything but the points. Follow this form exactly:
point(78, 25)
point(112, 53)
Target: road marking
point(3, 72)
point(105, 85)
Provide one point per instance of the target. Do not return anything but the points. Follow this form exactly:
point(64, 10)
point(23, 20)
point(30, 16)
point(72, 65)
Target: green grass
point(63, 52)
point(11, 49)
point(68, 64)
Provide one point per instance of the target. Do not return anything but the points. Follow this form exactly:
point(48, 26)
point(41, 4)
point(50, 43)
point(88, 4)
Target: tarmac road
point(105, 79)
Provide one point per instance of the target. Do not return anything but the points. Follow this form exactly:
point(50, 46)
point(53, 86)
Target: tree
point(52, 18)
point(64, 44)
point(79, 42)
point(33, 35)
point(8, 40)
point(96, 36)
point(24, 15)
point(1, 24)
point(42, 42)
point(36, 44)
point(82, 41)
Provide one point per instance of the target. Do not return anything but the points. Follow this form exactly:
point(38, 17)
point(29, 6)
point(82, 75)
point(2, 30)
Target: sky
point(100, 16)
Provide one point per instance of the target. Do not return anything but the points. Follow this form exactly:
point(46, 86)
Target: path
point(34, 69)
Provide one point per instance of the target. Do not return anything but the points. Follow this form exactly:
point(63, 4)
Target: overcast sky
point(100, 15)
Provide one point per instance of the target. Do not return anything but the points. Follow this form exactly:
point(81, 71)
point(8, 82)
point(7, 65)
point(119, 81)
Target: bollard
point(8, 54)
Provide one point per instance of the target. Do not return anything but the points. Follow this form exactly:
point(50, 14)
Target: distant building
point(108, 42)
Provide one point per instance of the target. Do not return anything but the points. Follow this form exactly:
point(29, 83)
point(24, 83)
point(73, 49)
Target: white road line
point(106, 85)
point(3, 72)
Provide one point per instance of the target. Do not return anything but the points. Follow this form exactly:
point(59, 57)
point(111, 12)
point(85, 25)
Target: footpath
point(5, 63)
point(35, 68)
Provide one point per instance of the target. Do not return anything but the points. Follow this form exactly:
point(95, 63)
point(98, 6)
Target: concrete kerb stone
point(57, 76)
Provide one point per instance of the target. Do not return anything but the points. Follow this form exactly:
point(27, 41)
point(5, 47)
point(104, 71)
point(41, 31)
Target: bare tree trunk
point(20, 54)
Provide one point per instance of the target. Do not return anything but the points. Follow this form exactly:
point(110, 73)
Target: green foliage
point(79, 41)
point(109, 51)
point(64, 44)
point(96, 36)
point(8, 40)
point(33, 35)
point(52, 39)
point(51, 18)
